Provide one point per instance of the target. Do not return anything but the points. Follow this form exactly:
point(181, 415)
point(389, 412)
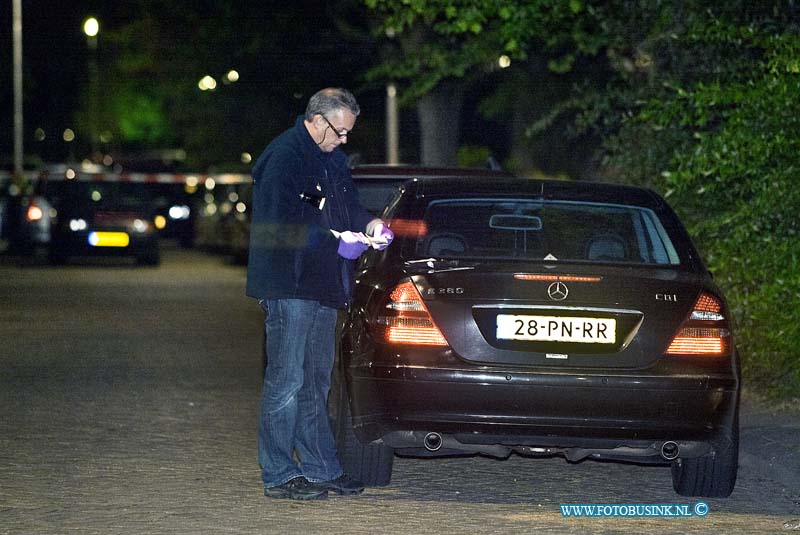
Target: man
point(306, 230)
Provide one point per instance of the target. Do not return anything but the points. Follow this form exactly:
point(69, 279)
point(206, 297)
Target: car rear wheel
point(57, 257)
point(714, 474)
point(369, 463)
point(150, 257)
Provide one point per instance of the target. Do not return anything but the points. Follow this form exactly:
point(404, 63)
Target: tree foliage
point(732, 170)
point(700, 103)
point(456, 38)
point(153, 54)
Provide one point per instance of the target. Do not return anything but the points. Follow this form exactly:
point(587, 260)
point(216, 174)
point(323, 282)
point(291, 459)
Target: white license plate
point(556, 329)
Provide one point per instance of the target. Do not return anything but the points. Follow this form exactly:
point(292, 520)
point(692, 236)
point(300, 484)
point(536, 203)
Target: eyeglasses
point(340, 135)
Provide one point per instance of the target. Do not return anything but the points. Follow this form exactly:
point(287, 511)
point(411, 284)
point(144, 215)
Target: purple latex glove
point(382, 237)
point(351, 245)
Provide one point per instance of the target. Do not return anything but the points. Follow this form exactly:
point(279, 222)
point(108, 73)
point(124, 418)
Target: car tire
point(714, 474)
point(56, 257)
point(369, 463)
point(149, 258)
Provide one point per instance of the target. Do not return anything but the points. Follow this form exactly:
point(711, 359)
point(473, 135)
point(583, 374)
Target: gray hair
point(331, 99)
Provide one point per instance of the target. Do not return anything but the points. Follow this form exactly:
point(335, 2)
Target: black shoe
point(298, 488)
point(343, 485)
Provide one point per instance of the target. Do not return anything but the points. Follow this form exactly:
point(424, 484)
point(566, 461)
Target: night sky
point(304, 52)
point(53, 64)
point(55, 60)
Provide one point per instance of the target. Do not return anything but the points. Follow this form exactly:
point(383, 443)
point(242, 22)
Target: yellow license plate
point(556, 329)
point(109, 239)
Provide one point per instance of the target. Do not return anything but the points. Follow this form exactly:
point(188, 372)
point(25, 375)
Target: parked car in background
point(223, 215)
point(175, 210)
point(101, 218)
point(543, 318)
point(83, 210)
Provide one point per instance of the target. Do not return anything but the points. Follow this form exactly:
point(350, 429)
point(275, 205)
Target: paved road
point(129, 405)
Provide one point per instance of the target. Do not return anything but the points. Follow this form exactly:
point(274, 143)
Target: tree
point(731, 168)
point(155, 54)
point(446, 46)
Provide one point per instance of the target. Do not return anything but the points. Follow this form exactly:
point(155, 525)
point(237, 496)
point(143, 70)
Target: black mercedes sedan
point(540, 318)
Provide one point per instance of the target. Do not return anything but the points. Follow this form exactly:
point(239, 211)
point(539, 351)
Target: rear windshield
point(374, 195)
point(501, 229)
point(99, 195)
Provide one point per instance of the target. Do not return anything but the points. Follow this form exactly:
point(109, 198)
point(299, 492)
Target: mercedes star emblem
point(557, 291)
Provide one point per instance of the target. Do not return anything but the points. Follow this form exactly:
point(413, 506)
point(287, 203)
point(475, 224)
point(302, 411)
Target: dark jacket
point(292, 251)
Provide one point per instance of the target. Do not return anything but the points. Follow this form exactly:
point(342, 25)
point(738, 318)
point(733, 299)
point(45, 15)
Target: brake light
point(705, 332)
point(407, 320)
point(707, 308)
point(408, 227)
point(554, 278)
point(34, 213)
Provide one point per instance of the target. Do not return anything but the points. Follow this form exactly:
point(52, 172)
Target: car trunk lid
point(556, 315)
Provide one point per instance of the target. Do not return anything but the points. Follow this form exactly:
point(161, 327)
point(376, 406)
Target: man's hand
point(382, 237)
point(352, 244)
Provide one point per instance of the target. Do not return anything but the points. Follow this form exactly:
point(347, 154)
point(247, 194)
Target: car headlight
point(76, 225)
point(179, 211)
point(140, 225)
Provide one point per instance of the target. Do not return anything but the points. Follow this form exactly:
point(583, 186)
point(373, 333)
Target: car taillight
point(705, 332)
point(407, 320)
point(34, 213)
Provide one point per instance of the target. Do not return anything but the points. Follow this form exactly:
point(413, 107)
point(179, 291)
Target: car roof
point(401, 173)
point(547, 189)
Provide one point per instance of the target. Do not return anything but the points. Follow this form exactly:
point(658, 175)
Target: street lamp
point(207, 83)
point(91, 27)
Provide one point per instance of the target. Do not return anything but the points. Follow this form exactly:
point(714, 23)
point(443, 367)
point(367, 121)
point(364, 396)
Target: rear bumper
point(539, 408)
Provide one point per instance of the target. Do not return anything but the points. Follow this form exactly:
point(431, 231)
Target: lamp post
point(18, 122)
point(91, 27)
point(392, 126)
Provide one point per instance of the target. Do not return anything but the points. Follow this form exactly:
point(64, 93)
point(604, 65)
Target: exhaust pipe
point(437, 442)
point(670, 450)
point(432, 441)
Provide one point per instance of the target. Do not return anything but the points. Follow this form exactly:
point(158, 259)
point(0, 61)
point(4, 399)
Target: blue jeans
point(294, 417)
